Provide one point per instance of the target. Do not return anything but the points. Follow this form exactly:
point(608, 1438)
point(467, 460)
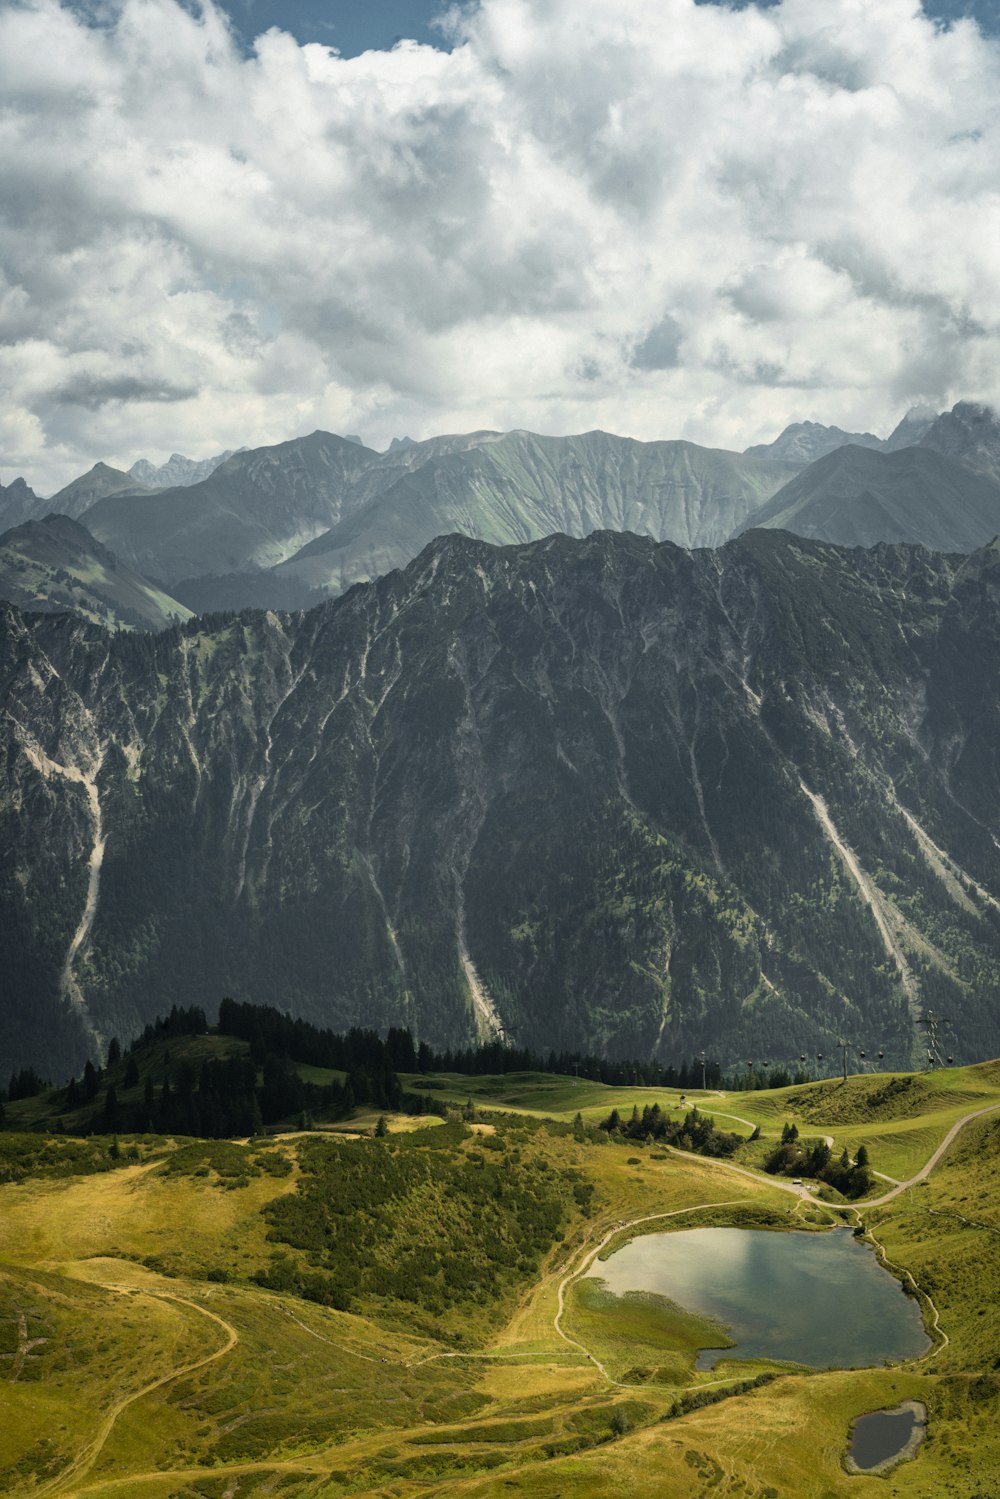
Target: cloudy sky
point(657, 217)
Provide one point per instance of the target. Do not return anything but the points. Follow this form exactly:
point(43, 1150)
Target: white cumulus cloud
point(661, 218)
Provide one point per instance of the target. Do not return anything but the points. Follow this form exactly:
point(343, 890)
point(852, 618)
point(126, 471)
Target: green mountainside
point(254, 510)
point(55, 564)
point(520, 487)
point(278, 527)
point(857, 497)
point(605, 795)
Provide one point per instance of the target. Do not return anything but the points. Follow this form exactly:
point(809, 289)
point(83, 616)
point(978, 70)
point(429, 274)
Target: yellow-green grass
point(548, 1095)
point(947, 1233)
point(83, 1344)
point(638, 1337)
point(901, 1129)
point(365, 1122)
point(182, 1223)
point(784, 1441)
point(308, 1401)
point(322, 1076)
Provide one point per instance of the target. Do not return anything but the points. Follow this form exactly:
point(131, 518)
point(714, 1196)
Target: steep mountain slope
point(908, 432)
point(856, 497)
point(601, 793)
point(970, 434)
point(99, 483)
point(254, 510)
point(55, 564)
point(520, 487)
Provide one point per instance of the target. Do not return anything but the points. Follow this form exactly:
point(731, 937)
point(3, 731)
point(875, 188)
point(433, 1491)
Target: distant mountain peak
point(968, 433)
point(855, 496)
point(18, 502)
point(178, 471)
point(908, 432)
point(805, 442)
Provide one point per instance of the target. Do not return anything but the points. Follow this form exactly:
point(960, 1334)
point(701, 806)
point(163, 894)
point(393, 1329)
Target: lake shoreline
point(906, 1452)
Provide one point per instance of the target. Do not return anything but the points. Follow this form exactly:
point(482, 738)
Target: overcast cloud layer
point(654, 217)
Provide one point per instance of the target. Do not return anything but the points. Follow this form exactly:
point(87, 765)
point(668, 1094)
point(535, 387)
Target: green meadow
point(324, 1313)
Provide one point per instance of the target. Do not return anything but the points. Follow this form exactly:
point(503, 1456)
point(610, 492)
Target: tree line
point(696, 1131)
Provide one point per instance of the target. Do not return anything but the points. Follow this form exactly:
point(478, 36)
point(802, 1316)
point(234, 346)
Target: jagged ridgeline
point(605, 795)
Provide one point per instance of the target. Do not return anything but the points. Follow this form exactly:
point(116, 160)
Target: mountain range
point(803, 442)
point(607, 794)
point(287, 526)
point(177, 470)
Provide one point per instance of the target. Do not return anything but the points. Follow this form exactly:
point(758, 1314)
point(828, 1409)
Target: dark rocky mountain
point(970, 434)
point(803, 442)
point(256, 509)
point(603, 793)
point(908, 432)
point(178, 470)
point(857, 497)
point(55, 565)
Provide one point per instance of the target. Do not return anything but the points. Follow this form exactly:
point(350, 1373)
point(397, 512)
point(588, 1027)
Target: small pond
point(881, 1439)
point(820, 1299)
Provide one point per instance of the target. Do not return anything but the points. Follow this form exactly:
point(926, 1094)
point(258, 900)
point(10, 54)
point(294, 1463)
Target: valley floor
point(138, 1357)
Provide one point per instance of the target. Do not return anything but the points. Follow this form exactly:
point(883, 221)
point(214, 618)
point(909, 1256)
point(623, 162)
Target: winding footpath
point(68, 1481)
point(928, 1167)
point(85, 1460)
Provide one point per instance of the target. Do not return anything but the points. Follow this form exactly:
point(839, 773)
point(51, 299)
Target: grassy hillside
point(54, 565)
point(163, 1330)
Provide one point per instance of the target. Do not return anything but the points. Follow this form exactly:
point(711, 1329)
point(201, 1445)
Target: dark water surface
point(820, 1299)
point(883, 1435)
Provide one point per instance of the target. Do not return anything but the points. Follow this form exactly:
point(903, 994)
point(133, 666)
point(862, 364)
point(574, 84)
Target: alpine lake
point(818, 1300)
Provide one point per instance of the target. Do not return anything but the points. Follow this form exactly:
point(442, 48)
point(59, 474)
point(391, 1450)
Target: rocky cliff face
point(601, 793)
point(970, 434)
